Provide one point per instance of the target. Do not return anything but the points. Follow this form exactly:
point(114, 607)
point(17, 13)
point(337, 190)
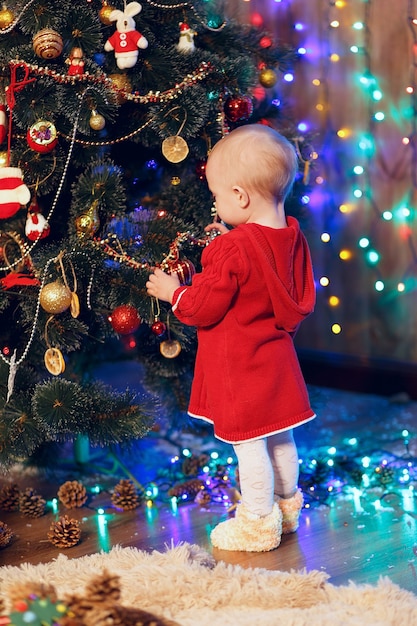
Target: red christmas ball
point(265, 42)
point(125, 319)
point(183, 268)
point(158, 328)
point(238, 108)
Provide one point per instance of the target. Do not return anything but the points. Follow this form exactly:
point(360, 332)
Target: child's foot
point(247, 532)
point(290, 509)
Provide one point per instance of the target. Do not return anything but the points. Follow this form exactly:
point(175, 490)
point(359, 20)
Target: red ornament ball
point(256, 20)
point(184, 269)
point(265, 42)
point(238, 108)
point(125, 319)
point(42, 136)
point(158, 328)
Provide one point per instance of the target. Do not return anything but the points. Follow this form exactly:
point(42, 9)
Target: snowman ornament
point(186, 40)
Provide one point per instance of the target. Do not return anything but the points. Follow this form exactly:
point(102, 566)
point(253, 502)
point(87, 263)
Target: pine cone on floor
point(65, 532)
point(125, 495)
point(187, 488)
point(104, 588)
point(203, 497)
point(9, 498)
point(6, 535)
point(192, 465)
point(31, 504)
point(72, 494)
point(22, 590)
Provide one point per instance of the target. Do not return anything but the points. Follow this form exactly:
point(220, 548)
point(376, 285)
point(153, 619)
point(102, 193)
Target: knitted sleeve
point(209, 297)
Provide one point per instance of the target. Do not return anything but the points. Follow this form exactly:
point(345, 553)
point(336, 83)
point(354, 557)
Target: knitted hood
point(288, 274)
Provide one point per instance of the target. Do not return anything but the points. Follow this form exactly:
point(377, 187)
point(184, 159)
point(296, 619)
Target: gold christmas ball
point(267, 78)
point(3, 158)
point(97, 121)
point(6, 18)
point(121, 84)
point(55, 297)
point(104, 14)
point(87, 223)
point(47, 44)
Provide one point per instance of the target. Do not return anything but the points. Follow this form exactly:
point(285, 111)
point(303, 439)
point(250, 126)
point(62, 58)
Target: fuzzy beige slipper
point(290, 509)
point(247, 532)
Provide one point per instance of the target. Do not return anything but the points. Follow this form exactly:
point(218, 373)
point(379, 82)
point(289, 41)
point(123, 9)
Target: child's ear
point(241, 196)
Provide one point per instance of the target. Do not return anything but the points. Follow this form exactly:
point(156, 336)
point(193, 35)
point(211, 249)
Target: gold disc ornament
point(170, 348)
point(55, 297)
point(54, 361)
point(175, 149)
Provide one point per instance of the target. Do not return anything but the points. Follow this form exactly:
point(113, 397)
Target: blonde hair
point(257, 158)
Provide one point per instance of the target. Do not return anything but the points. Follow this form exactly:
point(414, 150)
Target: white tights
point(268, 468)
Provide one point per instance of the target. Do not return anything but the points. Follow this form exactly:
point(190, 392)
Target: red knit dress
point(255, 288)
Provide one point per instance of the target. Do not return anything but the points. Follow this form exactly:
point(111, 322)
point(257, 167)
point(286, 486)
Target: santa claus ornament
point(13, 192)
point(126, 41)
point(186, 40)
point(36, 226)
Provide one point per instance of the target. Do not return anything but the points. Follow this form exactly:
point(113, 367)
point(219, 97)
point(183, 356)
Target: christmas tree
point(108, 113)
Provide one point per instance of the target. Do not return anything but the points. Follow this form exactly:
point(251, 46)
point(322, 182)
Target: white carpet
point(185, 585)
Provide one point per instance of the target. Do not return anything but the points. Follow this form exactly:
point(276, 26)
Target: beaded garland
point(152, 97)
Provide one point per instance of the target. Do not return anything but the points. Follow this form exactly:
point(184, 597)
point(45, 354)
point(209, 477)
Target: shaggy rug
point(185, 586)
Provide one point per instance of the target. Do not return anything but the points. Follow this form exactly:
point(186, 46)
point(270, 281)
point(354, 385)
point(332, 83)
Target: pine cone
point(6, 535)
point(187, 488)
point(31, 504)
point(125, 495)
point(104, 587)
point(31, 590)
point(192, 465)
point(72, 494)
point(203, 497)
point(65, 532)
point(9, 498)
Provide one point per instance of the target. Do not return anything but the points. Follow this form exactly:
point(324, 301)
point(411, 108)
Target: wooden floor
point(355, 538)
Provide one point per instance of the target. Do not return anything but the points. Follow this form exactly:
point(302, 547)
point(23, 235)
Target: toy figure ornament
point(126, 41)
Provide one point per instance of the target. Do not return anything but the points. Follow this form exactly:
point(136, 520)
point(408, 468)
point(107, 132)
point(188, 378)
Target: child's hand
point(216, 226)
point(162, 286)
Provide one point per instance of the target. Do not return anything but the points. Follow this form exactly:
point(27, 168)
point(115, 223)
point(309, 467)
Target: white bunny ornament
point(126, 40)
